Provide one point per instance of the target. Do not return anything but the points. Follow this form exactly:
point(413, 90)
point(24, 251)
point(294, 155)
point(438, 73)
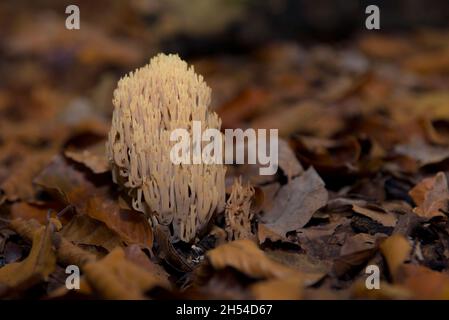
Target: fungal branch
point(149, 104)
point(238, 213)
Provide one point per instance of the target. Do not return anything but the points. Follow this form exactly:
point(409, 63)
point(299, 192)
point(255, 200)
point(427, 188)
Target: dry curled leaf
point(386, 291)
point(135, 254)
point(246, 257)
point(114, 277)
point(375, 213)
point(130, 225)
point(39, 264)
point(93, 157)
point(87, 231)
point(67, 253)
point(425, 283)
point(264, 233)
point(287, 160)
point(333, 157)
point(19, 185)
point(396, 250)
point(74, 187)
point(278, 289)
point(346, 264)
point(308, 116)
point(431, 196)
point(313, 270)
point(27, 211)
point(296, 202)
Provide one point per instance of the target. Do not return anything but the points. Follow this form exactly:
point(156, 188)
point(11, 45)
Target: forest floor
point(362, 187)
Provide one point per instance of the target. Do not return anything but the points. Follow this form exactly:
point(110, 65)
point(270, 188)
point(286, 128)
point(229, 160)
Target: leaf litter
point(363, 171)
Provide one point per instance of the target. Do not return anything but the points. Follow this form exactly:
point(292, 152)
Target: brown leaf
point(246, 257)
point(431, 105)
point(377, 214)
point(386, 291)
point(168, 252)
point(93, 157)
point(27, 211)
point(429, 62)
point(64, 181)
point(264, 233)
point(384, 47)
point(97, 201)
point(296, 202)
point(135, 254)
point(242, 107)
point(358, 242)
point(278, 289)
point(67, 252)
point(19, 185)
point(131, 226)
point(335, 157)
point(396, 249)
point(87, 231)
point(431, 196)
point(422, 152)
point(425, 283)
point(308, 116)
point(287, 160)
point(352, 261)
point(91, 45)
point(37, 266)
point(312, 269)
point(114, 277)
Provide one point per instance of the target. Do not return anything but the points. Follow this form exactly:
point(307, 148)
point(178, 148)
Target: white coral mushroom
point(149, 103)
point(238, 213)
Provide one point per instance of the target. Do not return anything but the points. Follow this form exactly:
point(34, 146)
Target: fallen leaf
point(19, 185)
point(387, 290)
point(167, 251)
point(278, 289)
point(135, 254)
point(84, 230)
point(422, 152)
point(242, 107)
point(131, 226)
point(331, 157)
point(431, 196)
point(246, 257)
point(39, 264)
point(97, 201)
point(429, 62)
point(27, 211)
point(429, 105)
point(114, 277)
point(313, 270)
point(264, 233)
point(424, 283)
point(287, 160)
point(388, 219)
point(309, 116)
point(67, 253)
point(358, 242)
point(346, 264)
point(396, 249)
point(384, 46)
point(93, 157)
point(91, 45)
point(296, 202)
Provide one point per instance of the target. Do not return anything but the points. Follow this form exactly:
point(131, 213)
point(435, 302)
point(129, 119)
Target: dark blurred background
point(43, 63)
point(303, 67)
point(199, 27)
